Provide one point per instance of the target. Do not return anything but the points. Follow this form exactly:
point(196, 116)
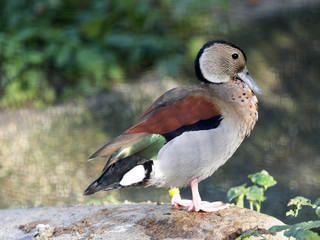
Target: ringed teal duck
point(188, 132)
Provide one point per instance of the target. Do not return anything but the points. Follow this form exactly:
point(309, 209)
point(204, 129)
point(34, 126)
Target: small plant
point(300, 231)
point(251, 232)
point(297, 204)
point(254, 194)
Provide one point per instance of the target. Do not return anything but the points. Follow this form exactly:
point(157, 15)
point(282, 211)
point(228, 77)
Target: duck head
point(220, 61)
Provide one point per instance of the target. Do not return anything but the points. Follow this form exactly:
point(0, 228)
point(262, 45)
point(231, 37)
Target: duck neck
point(242, 100)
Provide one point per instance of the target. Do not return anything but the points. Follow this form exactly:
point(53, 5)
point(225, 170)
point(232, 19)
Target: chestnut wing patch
point(191, 113)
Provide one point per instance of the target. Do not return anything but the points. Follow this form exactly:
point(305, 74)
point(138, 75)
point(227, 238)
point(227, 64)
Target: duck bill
point(247, 79)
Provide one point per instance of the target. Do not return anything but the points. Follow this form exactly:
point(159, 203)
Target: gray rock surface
point(130, 221)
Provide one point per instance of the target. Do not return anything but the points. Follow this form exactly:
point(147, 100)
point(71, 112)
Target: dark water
point(43, 153)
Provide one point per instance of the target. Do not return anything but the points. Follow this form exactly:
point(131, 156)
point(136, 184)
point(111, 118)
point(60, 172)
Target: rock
point(44, 231)
point(132, 221)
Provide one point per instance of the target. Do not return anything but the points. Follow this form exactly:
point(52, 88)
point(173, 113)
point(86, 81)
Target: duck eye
point(235, 55)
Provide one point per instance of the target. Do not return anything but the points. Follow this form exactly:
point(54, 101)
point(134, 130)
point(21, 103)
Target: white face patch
point(135, 175)
point(211, 70)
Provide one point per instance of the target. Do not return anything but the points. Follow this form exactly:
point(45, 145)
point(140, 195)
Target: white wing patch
point(135, 175)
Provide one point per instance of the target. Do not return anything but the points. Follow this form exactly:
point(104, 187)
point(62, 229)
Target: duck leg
point(198, 205)
point(195, 204)
point(176, 200)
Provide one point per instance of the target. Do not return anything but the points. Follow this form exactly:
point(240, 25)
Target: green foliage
point(54, 49)
point(263, 179)
point(299, 231)
point(317, 203)
point(254, 194)
point(297, 203)
point(250, 232)
point(238, 194)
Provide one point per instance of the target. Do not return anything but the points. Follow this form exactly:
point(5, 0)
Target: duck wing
point(186, 108)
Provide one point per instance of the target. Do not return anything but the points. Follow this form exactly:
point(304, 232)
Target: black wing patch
point(207, 124)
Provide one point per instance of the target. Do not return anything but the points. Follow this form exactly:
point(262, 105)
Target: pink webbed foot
point(176, 201)
point(207, 206)
point(196, 204)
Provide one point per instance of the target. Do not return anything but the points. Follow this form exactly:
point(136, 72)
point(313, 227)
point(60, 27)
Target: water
point(43, 153)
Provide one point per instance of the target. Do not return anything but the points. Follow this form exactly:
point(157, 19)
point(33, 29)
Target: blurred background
point(74, 74)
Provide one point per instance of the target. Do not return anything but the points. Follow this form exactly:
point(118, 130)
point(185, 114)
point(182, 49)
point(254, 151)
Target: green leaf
point(299, 200)
point(236, 192)
point(318, 211)
point(297, 204)
point(307, 235)
point(292, 212)
point(263, 179)
point(317, 202)
point(299, 230)
point(255, 194)
point(247, 234)
point(278, 228)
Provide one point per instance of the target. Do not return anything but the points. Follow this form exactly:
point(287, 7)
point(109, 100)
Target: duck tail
point(126, 172)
